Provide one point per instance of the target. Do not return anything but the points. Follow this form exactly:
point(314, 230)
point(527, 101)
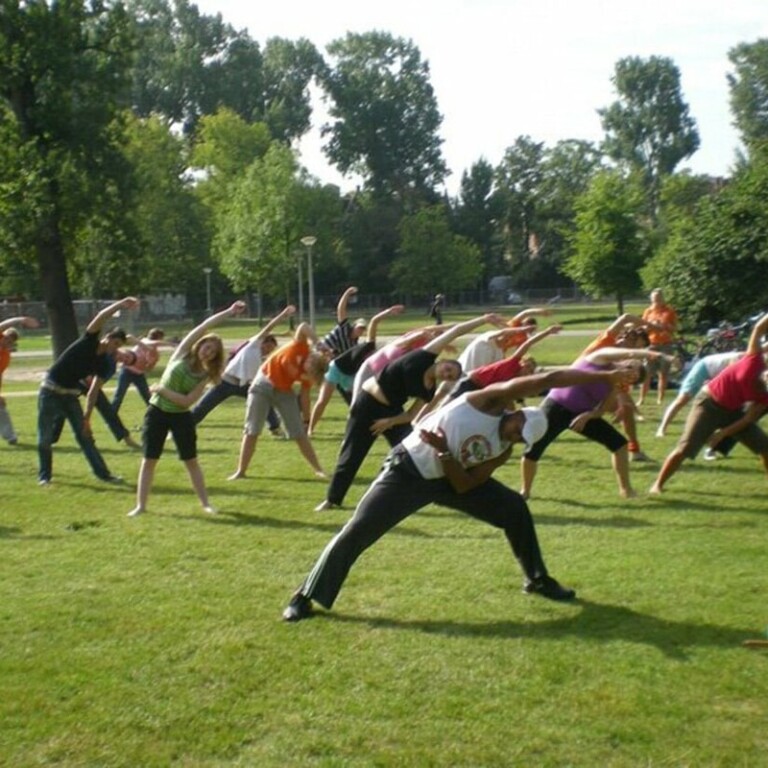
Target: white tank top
point(473, 438)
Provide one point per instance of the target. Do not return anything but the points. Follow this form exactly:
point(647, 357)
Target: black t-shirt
point(349, 362)
point(78, 361)
point(404, 378)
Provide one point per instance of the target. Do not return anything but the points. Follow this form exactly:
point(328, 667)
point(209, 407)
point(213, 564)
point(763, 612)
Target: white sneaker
point(136, 512)
point(324, 506)
point(711, 455)
point(210, 510)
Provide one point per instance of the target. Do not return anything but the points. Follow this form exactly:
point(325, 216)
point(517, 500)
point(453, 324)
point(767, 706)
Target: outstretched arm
point(373, 326)
point(341, 307)
point(199, 331)
point(535, 339)
point(305, 332)
point(496, 398)
point(608, 355)
point(98, 322)
point(23, 320)
point(626, 319)
point(265, 331)
point(439, 343)
point(521, 317)
point(761, 326)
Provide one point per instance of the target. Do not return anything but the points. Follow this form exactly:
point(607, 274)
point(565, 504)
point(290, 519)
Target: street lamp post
point(208, 308)
point(308, 242)
point(301, 289)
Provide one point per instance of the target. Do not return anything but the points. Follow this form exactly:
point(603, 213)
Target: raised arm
point(521, 317)
point(305, 332)
point(98, 322)
point(373, 325)
point(199, 331)
point(496, 398)
point(761, 327)
point(341, 307)
point(522, 350)
point(264, 332)
point(439, 343)
point(23, 320)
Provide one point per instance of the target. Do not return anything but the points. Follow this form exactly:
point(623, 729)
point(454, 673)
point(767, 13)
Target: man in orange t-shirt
point(272, 387)
point(661, 321)
point(8, 338)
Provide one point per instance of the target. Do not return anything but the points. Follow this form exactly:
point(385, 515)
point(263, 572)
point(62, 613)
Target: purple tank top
point(583, 397)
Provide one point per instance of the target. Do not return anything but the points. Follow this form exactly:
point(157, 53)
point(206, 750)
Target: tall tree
point(608, 247)
point(384, 116)
point(649, 128)
point(749, 90)
point(433, 259)
point(63, 72)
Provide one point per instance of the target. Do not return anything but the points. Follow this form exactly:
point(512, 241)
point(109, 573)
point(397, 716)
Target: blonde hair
point(316, 366)
point(214, 366)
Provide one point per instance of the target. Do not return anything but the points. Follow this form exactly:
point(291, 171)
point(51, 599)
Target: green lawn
point(157, 641)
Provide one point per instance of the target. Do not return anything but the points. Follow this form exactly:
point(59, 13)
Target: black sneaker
point(299, 608)
point(548, 587)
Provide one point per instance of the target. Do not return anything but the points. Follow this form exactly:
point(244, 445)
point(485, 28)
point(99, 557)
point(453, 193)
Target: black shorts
point(157, 424)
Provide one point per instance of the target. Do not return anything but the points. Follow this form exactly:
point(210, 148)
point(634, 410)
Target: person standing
point(272, 387)
point(729, 405)
point(198, 359)
point(450, 461)
point(436, 308)
point(9, 337)
point(146, 354)
point(242, 369)
point(660, 321)
point(59, 396)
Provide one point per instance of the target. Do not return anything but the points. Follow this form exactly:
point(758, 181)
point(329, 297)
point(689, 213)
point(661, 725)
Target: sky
point(542, 68)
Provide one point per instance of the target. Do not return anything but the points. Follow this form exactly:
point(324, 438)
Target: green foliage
point(431, 258)
point(713, 265)
point(384, 115)
point(608, 247)
point(649, 128)
point(749, 91)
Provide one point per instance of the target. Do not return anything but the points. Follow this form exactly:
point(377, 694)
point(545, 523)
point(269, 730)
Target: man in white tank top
point(449, 460)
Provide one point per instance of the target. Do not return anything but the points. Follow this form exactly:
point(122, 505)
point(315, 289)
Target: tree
point(649, 128)
point(384, 113)
point(608, 247)
point(749, 91)
point(433, 259)
point(63, 72)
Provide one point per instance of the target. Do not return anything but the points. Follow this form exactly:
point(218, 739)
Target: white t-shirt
point(245, 364)
point(481, 351)
point(472, 436)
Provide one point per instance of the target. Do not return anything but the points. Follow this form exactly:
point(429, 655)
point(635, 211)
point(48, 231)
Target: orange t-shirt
point(515, 339)
point(665, 315)
point(605, 339)
point(285, 366)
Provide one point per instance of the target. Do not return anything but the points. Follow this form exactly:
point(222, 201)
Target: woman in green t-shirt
point(198, 359)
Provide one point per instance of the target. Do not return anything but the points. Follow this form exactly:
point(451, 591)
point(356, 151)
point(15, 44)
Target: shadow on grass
point(7, 532)
point(598, 622)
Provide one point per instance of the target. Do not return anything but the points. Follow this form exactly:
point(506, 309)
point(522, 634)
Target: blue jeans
point(52, 410)
point(124, 379)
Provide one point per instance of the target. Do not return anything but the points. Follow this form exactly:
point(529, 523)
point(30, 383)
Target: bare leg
point(661, 387)
point(247, 449)
point(528, 472)
point(672, 410)
point(323, 398)
point(620, 461)
point(671, 465)
point(146, 477)
point(643, 390)
point(198, 483)
point(308, 452)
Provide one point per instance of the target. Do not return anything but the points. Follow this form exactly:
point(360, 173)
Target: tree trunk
point(52, 264)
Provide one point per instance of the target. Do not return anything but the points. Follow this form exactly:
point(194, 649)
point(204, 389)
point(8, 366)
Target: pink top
point(739, 383)
point(391, 352)
point(147, 356)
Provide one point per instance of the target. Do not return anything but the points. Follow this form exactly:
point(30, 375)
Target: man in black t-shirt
point(59, 392)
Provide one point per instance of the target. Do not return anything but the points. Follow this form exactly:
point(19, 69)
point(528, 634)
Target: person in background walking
point(661, 323)
point(435, 310)
point(198, 359)
point(9, 337)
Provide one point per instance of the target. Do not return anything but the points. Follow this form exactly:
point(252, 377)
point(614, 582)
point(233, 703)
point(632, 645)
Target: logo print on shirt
point(475, 450)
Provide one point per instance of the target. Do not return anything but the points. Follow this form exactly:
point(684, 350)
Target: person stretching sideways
point(146, 353)
point(720, 410)
point(59, 396)
point(449, 460)
point(198, 359)
point(9, 336)
point(379, 408)
point(272, 387)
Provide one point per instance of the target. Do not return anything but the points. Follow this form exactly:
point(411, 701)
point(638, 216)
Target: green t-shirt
point(178, 377)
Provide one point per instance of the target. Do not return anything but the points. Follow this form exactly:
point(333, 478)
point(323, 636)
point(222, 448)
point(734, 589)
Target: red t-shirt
point(739, 383)
point(504, 370)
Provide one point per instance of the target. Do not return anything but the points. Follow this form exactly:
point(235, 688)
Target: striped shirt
point(339, 339)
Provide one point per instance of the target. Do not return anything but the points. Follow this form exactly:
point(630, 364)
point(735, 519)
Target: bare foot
point(628, 493)
point(321, 474)
point(525, 495)
point(655, 489)
point(238, 475)
point(210, 510)
point(136, 511)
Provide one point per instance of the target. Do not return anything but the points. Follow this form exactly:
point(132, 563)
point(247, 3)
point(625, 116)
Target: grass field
point(157, 641)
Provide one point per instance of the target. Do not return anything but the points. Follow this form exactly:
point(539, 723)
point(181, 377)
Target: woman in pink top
point(719, 410)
